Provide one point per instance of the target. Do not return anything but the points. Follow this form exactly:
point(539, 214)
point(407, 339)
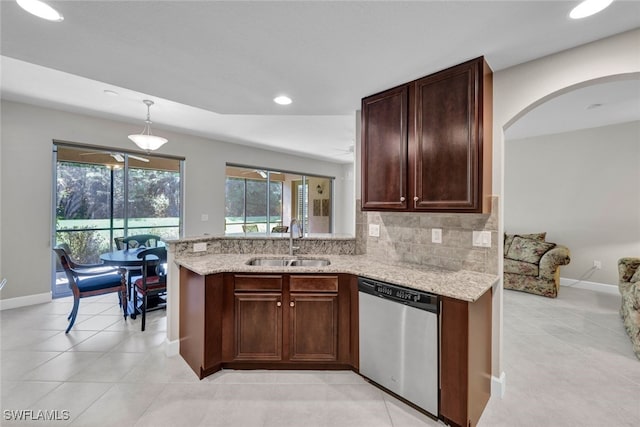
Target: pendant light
point(145, 140)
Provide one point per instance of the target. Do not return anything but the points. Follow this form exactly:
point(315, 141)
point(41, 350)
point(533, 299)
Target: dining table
point(128, 259)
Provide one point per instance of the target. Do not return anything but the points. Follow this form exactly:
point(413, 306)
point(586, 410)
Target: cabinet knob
point(402, 199)
point(278, 303)
point(415, 199)
point(292, 304)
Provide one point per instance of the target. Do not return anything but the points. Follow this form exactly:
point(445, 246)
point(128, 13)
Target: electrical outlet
point(204, 217)
point(436, 235)
point(482, 239)
point(374, 230)
point(597, 264)
point(200, 247)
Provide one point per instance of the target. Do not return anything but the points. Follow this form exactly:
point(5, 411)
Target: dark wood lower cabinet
point(201, 314)
point(258, 326)
point(259, 321)
point(314, 327)
point(465, 359)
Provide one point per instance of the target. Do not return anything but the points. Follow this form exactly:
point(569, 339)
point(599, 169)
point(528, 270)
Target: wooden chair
point(91, 280)
point(151, 284)
point(146, 240)
point(138, 241)
point(280, 229)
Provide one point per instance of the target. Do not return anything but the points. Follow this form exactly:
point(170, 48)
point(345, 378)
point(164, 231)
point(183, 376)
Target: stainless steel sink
point(269, 262)
point(310, 262)
point(279, 262)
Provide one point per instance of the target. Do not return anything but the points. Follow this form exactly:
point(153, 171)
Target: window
point(262, 201)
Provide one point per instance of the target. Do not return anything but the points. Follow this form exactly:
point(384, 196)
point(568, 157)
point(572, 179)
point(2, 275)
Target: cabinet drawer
point(257, 282)
point(313, 283)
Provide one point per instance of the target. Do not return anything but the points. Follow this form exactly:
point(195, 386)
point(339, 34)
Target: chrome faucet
point(292, 226)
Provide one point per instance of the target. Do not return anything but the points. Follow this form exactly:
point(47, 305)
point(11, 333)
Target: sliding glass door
point(100, 195)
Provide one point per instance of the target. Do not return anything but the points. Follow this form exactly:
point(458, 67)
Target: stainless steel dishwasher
point(399, 341)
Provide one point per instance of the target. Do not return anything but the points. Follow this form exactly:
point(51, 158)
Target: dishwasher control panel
point(412, 297)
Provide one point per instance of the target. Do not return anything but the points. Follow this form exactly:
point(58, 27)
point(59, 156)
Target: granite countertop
point(261, 236)
point(464, 285)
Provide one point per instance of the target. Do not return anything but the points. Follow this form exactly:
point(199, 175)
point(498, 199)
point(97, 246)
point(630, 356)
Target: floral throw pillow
point(508, 238)
point(528, 250)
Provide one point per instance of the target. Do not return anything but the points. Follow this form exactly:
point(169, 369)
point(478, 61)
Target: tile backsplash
point(406, 237)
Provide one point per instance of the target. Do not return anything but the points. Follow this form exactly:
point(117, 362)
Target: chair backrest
point(66, 248)
point(146, 240)
point(119, 241)
point(156, 258)
point(280, 229)
point(250, 228)
point(67, 264)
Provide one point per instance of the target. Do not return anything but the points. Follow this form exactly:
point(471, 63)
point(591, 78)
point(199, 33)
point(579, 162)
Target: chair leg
point(123, 303)
point(135, 303)
point(144, 311)
point(73, 314)
point(134, 296)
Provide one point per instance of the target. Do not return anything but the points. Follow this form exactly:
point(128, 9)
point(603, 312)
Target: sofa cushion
point(528, 250)
point(508, 238)
point(520, 267)
point(636, 276)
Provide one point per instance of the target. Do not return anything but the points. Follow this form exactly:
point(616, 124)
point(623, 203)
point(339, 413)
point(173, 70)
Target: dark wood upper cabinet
point(384, 128)
point(427, 144)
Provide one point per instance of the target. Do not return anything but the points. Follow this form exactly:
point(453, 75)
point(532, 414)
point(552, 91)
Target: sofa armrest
point(627, 267)
point(553, 259)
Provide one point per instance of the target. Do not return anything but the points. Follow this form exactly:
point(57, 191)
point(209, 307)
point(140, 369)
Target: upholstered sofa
point(533, 265)
point(629, 286)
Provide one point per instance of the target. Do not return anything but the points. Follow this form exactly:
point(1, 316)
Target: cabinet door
point(258, 328)
point(313, 332)
point(384, 150)
point(446, 143)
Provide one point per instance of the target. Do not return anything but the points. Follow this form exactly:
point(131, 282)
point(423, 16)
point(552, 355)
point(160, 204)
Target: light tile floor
point(568, 363)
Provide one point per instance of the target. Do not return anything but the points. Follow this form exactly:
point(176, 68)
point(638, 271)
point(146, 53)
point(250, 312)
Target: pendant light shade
point(145, 139)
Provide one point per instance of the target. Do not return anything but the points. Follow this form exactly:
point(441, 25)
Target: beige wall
point(26, 183)
point(583, 189)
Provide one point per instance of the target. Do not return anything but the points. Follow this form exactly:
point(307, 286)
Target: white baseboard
point(171, 348)
point(498, 385)
point(9, 303)
point(592, 286)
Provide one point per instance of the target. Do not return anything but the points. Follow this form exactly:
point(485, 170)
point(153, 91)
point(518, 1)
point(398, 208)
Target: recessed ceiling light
point(41, 10)
point(110, 92)
point(588, 8)
point(282, 100)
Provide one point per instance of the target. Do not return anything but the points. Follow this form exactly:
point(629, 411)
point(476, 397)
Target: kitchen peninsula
point(233, 314)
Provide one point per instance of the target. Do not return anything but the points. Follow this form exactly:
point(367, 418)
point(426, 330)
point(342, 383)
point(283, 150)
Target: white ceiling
point(214, 67)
